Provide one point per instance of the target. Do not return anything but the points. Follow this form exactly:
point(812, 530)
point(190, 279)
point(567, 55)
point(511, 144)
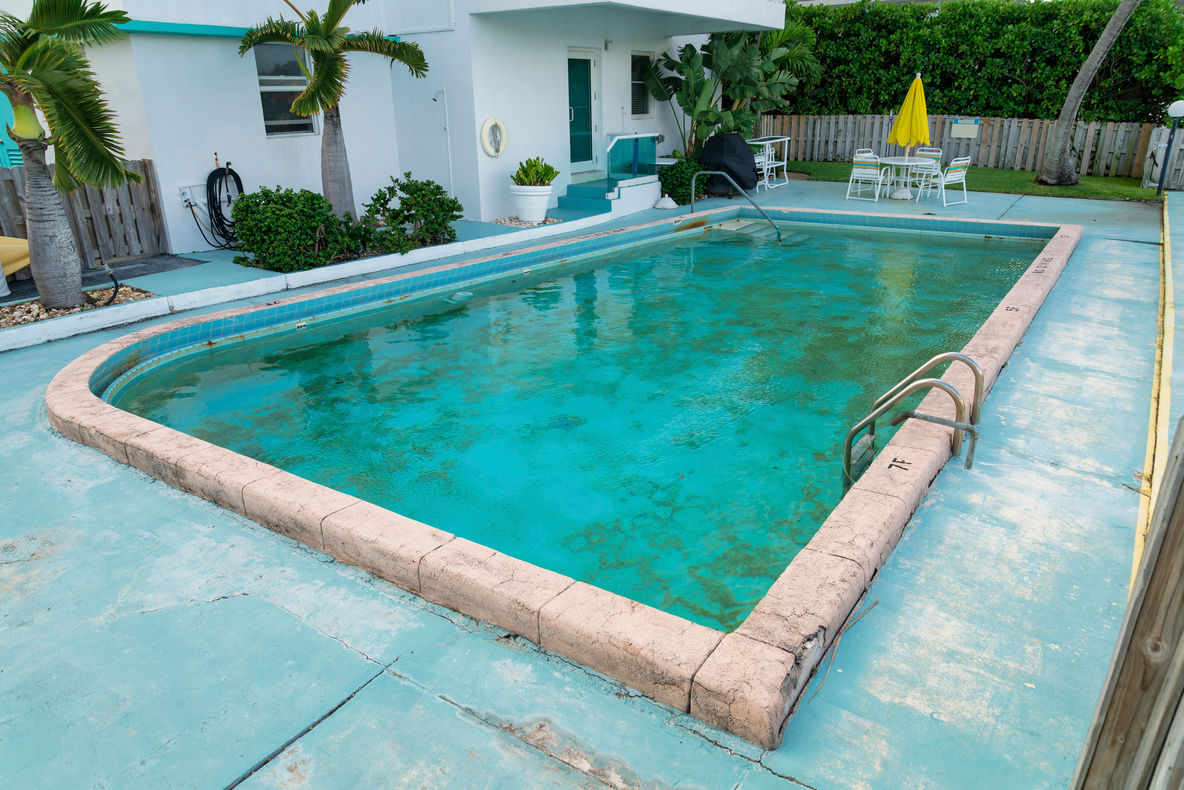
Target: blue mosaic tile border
point(122, 365)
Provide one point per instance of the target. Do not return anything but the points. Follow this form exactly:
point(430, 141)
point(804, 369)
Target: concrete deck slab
point(979, 666)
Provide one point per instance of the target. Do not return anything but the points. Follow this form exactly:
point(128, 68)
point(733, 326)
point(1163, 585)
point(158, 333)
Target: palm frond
point(321, 37)
point(406, 52)
point(77, 20)
point(336, 12)
point(15, 38)
point(329, 75)
point(81, 125)
point(273, 31)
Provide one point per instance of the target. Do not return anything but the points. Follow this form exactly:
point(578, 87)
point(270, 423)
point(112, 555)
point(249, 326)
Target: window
point(639, 93)
point(280, 81)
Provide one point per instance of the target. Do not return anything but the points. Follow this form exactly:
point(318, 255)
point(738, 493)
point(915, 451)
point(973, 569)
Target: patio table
point(900, 169)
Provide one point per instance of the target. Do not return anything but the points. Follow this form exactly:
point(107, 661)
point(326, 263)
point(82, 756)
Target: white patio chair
point(923, 176)
point(954, 174)
point(865, 169)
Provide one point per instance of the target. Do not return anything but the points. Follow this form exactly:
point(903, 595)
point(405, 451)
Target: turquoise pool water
point(665, 421)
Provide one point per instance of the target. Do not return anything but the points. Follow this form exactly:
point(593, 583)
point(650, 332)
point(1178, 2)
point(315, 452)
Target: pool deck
point(150, 638)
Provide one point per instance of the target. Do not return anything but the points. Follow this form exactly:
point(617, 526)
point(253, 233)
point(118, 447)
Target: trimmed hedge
point(992, 58)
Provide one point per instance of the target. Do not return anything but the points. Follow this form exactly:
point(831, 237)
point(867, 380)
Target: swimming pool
point(663, 420)
point(745, 680)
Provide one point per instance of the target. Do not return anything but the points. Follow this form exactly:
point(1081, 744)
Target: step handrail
point(975, 406)
point(739, 188)
point(902, 393)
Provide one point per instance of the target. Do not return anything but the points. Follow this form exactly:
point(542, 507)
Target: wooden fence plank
point(1141, 150)
point(10, 206)
point(1104, 166)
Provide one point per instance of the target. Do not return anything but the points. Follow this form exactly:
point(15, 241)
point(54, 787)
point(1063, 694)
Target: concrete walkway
point(151, 639)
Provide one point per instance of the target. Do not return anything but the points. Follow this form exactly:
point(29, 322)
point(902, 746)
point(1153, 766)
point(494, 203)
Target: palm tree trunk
point(336, 184)
point(1059, 166)
point(53, 255)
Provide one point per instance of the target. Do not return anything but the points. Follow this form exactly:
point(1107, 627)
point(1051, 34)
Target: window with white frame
point(280, 81)
point(639, 94)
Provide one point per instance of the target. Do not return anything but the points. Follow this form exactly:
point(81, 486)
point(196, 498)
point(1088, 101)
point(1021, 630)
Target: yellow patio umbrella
point(911, 126)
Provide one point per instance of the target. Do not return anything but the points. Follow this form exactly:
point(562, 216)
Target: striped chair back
point(929, 153)
point(957, 170)
point(866, 164)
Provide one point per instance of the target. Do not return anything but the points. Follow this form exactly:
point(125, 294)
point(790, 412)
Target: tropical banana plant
point(44, 73)
point(725, 86)
point(324, 40)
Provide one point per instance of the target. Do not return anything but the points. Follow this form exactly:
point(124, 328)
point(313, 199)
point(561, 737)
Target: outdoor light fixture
point(1175, 111)
point(608, 45)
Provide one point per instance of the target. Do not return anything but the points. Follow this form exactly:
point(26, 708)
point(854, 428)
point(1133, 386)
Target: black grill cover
point(729, 153)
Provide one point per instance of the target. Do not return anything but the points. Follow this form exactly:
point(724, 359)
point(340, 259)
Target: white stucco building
point(557, 74)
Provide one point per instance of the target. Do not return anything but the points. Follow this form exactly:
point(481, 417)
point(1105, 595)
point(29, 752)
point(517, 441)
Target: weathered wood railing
point(1136, 738)
point(1102, 148)
point(108, 224)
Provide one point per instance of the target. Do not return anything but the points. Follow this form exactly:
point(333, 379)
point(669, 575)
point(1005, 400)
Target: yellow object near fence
point(912, 123)
point(14, 254)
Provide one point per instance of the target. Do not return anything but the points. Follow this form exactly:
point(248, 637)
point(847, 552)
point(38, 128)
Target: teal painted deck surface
point(150, 639)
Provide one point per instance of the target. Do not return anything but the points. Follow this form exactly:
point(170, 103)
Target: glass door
point(579, 109)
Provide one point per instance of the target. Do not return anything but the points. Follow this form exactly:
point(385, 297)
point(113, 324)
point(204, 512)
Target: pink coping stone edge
point(746, 682)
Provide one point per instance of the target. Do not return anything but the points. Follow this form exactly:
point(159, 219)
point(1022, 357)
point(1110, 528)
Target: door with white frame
point(583, 109)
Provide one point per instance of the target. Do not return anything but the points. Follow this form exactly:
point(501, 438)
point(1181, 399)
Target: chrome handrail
point(901, 393)
point(731, 181)
point(976, 404)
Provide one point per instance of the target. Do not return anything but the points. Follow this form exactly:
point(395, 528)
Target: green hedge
point(993, 58)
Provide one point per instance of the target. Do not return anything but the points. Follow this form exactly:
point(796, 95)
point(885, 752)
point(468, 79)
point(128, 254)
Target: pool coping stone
point(747, 681)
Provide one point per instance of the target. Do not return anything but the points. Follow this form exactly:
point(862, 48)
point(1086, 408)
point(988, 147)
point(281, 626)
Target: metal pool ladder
point(865, 449)
point(739, 188)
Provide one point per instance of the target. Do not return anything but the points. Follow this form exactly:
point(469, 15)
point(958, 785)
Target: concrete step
point(595, 190)
point(591, 205)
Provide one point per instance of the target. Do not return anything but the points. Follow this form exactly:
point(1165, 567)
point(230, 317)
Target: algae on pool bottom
point(664, 421)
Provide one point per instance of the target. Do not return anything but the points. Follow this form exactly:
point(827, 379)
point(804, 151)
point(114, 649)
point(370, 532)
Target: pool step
point(759, 229)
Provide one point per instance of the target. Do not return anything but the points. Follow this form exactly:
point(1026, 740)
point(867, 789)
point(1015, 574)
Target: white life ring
point(493, 137)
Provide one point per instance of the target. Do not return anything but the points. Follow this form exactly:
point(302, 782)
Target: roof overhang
point(679, 17)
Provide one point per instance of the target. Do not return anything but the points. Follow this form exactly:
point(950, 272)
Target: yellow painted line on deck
point(1161, 396)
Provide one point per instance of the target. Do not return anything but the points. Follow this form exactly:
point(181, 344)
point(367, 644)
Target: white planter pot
point(531, 202)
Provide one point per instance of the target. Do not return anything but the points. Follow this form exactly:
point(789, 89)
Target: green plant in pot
point(531, 189)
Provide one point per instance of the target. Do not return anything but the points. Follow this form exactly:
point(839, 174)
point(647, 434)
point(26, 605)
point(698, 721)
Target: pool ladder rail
point(857, 455)
point(739, 188)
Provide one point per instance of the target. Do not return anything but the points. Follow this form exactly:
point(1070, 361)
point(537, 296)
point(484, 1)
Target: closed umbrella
point(911, 126)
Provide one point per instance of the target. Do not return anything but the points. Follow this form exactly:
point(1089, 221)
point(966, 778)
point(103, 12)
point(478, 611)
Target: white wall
point(180, 99)
point(522, 79)
point(237, 13)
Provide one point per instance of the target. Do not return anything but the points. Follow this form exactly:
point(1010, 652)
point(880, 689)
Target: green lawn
point(1016, 182)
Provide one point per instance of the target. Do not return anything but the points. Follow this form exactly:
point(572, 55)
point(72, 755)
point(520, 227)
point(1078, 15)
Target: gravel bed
point(31, 312)
point(514, 222)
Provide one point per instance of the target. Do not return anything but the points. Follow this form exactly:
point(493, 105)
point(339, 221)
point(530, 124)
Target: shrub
point(286, 231)
point(421, 215)
point(534, 173)
point(676, 179)
point(992, 58)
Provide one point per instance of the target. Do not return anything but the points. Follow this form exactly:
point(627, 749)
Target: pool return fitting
point(739, 188)
point(865, 449)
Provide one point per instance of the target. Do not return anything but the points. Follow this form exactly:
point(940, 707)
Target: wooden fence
point(1157, 155)
point(108, 224)
point(1103, 148)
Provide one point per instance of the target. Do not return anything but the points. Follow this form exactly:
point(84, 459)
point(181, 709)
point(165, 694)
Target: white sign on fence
point(965, 127)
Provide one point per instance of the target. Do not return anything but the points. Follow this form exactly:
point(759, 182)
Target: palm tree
point(43, 68)
point(325, 41)
point(1058, 167)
